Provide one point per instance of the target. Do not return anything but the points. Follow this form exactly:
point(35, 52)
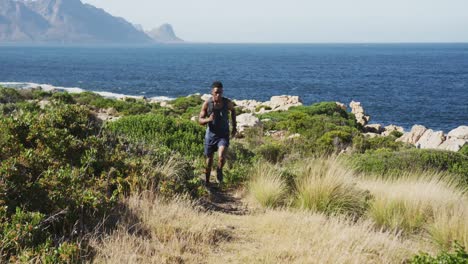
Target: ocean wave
point(50, 87)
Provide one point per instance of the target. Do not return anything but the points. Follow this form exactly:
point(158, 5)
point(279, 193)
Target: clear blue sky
point(300, 20)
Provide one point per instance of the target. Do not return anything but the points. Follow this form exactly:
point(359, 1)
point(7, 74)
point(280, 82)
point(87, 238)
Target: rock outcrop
point(358, 111)
point(282, 102)
point(247, 105)
point(413, 136)
point(460, 132)
point(424, 138)
point(430, 139)
point(247, 120)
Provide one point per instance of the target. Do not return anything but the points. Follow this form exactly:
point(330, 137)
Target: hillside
point(85, 178)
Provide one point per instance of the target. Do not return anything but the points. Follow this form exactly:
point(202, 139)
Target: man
point(214, 112)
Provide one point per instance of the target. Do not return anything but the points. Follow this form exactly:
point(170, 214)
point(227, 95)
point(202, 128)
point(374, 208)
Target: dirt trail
point(222, 200)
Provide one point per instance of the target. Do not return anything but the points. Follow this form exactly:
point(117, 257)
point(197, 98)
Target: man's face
point(217, 94)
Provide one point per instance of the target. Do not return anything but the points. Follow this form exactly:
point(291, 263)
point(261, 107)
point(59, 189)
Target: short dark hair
point(217, 84)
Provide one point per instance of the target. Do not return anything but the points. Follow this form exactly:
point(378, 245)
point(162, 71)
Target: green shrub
point(183, 136)
point(239, 163)
point(63, 97)
point(129, 106)
point(313, 123)
point(385, 162)
point(187, 106)
point(57, 162)
point(9, 95)
point(362, 144)
point(459, 256)
point(272, 152)
point(464, 150)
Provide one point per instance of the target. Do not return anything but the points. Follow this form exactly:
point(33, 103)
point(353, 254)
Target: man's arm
point(233, 117)
point(202, 119)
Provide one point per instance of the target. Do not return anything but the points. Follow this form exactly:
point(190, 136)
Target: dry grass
point(175, 232)
point(421, 202)
point(301, 237)
point(161, 232)
point(450, 224)
point(407, 215)
point(267, 186)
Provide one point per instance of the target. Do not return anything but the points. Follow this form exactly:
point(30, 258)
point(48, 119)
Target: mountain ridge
point(65, 21)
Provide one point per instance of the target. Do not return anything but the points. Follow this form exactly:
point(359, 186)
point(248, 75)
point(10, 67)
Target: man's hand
point(211, 118)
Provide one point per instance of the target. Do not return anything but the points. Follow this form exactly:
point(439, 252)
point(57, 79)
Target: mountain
point(19, 23)
point(164, 33)
point(63, 21)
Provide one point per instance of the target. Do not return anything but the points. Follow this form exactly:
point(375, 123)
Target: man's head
point(217, 91)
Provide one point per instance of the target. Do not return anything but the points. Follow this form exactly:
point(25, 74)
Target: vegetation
point(74, 188)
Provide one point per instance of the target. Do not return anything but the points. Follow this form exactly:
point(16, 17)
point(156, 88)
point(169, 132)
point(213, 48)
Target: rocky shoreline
point(419, 136)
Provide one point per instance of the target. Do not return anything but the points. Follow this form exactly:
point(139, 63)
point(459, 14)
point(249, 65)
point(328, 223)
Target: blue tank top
point(219, 127)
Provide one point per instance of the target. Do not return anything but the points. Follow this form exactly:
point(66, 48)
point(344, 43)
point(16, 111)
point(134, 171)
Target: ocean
point(402, 84)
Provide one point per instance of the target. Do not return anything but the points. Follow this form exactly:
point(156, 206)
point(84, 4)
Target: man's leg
point(222, 151)
point(209, 164)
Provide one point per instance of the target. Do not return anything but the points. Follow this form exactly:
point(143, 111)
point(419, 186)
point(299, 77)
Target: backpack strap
point(210, 106)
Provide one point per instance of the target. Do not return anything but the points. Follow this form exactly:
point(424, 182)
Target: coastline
point(419, 135)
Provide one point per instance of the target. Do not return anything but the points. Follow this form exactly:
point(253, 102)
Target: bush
point(187, 106)
point(183, 136)
point(325, 127)
point(63, 97)
point(9, 95)
point(459, 256)
point(272, 152)
point(464, 150)
point(57, 164)
point(362, 144)
point(239, 163)
point(384, 162)
point(129, 106)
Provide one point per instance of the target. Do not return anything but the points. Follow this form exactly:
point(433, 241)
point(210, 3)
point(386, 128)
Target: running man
point(214, 112)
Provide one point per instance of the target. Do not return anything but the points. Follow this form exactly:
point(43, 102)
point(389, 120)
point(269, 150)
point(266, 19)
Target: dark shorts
point(212, 144)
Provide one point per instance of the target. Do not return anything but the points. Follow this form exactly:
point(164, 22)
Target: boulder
point(452, 144)
point(247, 120)
point(430, 139)
point(282, 102)
point(247, 105)
point(359, 113)
point(205, 97)
point(413, 136)
point(460, 132)
point(374, 128)
point(390, 128)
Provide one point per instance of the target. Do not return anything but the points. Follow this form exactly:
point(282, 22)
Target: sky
point(300, 21)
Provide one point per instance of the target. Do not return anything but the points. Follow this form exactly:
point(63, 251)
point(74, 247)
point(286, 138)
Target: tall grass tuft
point(325, 186)
point(398, 214)
point(450, 224)
point(411, 201)
point(267, 186)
